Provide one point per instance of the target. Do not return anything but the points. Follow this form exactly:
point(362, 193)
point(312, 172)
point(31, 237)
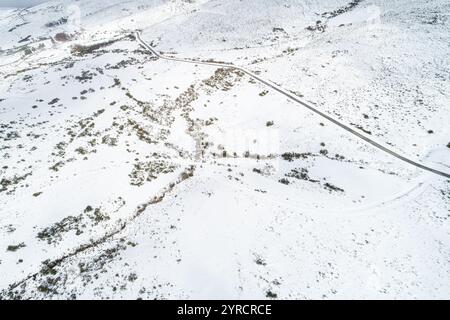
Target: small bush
point(14, 248)
point(80, 50)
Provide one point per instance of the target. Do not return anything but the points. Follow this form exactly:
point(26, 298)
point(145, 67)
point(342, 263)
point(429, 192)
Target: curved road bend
point(297, 100)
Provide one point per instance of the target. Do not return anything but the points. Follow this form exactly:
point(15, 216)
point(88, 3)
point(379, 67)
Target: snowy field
point(124, 176)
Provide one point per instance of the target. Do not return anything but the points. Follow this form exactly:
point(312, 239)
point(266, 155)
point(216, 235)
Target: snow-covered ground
point(125, 176)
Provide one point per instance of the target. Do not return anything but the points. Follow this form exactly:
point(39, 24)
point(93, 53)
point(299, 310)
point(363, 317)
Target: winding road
point(297, 100)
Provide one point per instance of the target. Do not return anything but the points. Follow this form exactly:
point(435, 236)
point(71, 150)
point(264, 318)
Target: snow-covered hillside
point(127, 176)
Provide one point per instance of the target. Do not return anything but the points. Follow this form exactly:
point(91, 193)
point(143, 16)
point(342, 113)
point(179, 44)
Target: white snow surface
point(125, 177)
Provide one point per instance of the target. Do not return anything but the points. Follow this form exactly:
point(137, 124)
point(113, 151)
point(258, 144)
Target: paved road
point(297, 100)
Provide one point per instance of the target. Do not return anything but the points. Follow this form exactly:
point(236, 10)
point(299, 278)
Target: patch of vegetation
point(117, 83)
point(85, 76)
point(290, 50)
point(18, 26)
point(223, 79)
point(331, 187)
point(60, 149)
point(141, 133)
point(149, 171)
point(9, 228)
point(54, 233)
point(361, 128)
point(110, 141)
point(14, 248)
point(301, 174)
point(260, 261)
point(277, 29)
point(56, 23)
point(436, 19)
point(63, 37)
point(132, 277)
point(11, 135)
point(187, 174)
point(319, 26)
point(11, 183)
point(98, 216)
point(123, 64)
point(57, 166)
point(54, 101)
point(27, 38)
point(89, 218)
point(342, 10)
point(82, 151)
point(98, 262)
point(81, 50)
point(291, 156)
